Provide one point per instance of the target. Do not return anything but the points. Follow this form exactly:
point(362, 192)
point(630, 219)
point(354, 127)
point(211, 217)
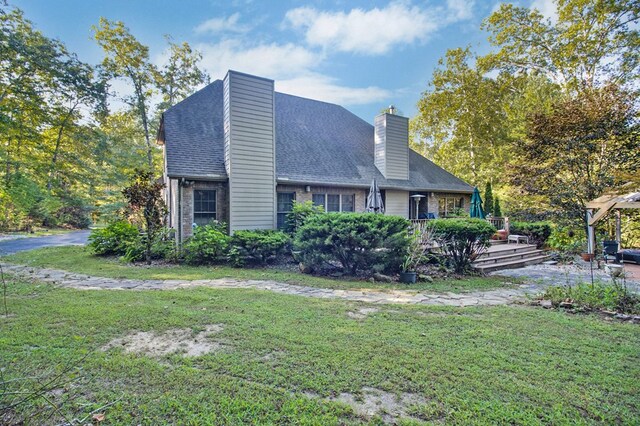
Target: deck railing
point(497, 222)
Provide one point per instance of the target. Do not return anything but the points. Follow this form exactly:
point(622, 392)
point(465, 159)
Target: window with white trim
point(204, 206)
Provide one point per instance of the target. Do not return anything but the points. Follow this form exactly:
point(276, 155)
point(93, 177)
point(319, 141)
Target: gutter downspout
point(180, 183)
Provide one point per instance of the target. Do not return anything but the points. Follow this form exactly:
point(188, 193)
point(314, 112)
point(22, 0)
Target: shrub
point(115, 239)
point(357, 241)
point(462, 240)
point(299, 214)
point(567, 240)
point(256, 246)
point(208, 244)
point(419, 239)
point(538, 232)
point(614, 297)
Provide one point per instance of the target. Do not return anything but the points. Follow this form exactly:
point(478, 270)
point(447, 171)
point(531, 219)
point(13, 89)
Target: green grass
point(489, 365)
point(80, 260)
point(38, 232)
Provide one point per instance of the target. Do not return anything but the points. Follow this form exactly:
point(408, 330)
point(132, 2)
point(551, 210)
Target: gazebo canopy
point(597, 209)
point(609, 202)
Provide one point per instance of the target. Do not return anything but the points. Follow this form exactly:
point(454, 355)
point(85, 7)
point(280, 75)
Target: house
point(239, 152)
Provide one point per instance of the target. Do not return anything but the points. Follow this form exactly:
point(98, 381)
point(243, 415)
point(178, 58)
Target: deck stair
point(501, 255)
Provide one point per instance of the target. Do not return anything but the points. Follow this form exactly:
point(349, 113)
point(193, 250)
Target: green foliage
point(497, 210)
point(419, 239)
point(590, 42)
point(299, 214)
point(256, 246)
point(612, 297)
point(488, 199)
point(571, 155)
point(567, 240)
point(163, 246)
point(114, 239)
point(146, 206)
point(538, 232)
point(358, 241)
point(461, 122)
point(208, 244)
point(462, 240)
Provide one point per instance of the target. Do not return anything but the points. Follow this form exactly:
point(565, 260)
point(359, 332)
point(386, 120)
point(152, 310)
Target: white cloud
point(324, 88)
point(547, 8)
point(267, 60)
point(375, 31)
point(460, 10)
point(219, 25)
point(291, 67)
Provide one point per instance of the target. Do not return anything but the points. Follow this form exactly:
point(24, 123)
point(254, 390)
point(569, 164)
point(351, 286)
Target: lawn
point(79, 259)
point(279, 359)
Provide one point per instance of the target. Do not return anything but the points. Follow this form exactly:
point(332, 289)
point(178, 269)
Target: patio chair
point(609, 249)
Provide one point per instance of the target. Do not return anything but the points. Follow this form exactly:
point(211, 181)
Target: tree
point(593, 42)
point(582, 147)
point(43, 88)
point(460, 123)
point(177, 79)
point(147, 207)
point(127, 58)
point(488, 198)
point(497, 210)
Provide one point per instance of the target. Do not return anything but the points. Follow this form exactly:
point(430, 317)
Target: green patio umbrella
point(475, 210)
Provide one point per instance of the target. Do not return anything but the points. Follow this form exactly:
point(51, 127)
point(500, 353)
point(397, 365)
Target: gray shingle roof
point(194, 135)
point(316, 142)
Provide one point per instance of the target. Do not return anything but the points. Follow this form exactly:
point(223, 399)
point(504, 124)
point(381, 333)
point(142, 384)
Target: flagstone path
point(86, 282)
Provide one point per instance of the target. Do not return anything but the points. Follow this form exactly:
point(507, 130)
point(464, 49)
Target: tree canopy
point(65, 149)
point(547, 117)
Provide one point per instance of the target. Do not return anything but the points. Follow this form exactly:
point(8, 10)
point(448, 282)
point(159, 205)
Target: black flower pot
point(408, 277)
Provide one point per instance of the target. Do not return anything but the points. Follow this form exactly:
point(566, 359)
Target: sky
point(363, 55)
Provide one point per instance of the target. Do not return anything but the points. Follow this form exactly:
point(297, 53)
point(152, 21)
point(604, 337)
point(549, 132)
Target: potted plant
point(414, 255)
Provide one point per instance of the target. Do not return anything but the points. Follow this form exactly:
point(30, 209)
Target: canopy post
point(591, 237)
point(618, 228)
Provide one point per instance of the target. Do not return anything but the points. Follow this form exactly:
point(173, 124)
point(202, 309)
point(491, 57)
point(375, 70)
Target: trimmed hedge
point(256, 246)
point(462, 240)
point(299, 214)
point(208, 244)
point(115, 239)
point(538, 232)
point(358, 241)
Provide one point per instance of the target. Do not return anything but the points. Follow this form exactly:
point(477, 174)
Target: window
point(348, 203)
point(204, 206)
point(450, 206)
point(285, 204)
point(319, 199)
point(335, 202)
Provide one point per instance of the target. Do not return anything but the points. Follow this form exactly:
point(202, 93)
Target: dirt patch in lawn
point(362, 313)
point(372, 402)
point(182, 340)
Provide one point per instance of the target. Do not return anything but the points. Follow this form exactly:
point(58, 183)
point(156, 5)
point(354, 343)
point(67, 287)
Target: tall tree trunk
point(56, 151)
point(142, 110)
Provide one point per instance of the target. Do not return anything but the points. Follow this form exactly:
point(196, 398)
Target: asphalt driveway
point(23, 244)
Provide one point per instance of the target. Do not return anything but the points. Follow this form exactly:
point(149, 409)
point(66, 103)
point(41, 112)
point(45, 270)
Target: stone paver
point(545, 275)
point(85, 282)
